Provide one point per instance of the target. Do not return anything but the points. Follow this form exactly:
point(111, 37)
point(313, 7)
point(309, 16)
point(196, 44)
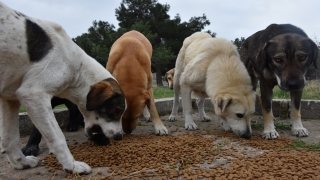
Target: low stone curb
point(310, 109)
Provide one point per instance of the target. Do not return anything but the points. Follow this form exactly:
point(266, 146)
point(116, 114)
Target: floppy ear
point(315, 52)
point(261, 58)
point(98, 94)
point(165, 77)
point(223, 102)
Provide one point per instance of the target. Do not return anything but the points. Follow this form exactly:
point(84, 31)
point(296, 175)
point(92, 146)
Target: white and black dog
point(38, 60)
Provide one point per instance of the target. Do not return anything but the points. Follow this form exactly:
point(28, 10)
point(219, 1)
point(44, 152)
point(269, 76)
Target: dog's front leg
point(202, 113)
point(159, 128)
point(295, 115)
point(269, 131)
point(187, 108)
point(40, 111)
point(10, 141)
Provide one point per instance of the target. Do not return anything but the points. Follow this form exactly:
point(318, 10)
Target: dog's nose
point(246, 135)
point(171, 87)
point(117, 136)
point(295, 84)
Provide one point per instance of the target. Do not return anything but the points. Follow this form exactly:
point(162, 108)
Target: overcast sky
point(230, 19)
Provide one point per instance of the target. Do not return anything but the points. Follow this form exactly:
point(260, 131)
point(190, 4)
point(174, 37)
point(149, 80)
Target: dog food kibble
point(196, 156)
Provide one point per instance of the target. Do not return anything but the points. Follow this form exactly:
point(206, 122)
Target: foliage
point(98, 41)
point(238, 42)
point(169, 34)
point(151, 19)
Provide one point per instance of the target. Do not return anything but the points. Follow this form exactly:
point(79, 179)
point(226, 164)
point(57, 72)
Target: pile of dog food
point(197, 155)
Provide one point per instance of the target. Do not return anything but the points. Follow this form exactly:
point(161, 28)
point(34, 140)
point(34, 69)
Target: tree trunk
point(159, 74)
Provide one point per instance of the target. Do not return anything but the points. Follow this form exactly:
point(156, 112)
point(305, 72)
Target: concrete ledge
point(310, 109)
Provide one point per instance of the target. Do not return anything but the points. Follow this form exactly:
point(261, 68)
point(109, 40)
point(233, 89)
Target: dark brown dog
point(279, 55)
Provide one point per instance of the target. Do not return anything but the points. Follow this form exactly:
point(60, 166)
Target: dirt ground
point(41, 172)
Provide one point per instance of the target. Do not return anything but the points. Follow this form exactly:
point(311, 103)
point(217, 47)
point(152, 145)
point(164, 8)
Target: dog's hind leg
point(38, 106)
point(10, 141)
point(297, 127)
point(202, 113)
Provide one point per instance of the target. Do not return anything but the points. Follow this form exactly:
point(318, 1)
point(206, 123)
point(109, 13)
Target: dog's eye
point(169, 78)
point(277, 59)
point(240, 115)
point(302, 58)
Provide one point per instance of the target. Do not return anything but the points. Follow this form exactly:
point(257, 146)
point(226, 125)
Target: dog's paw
point(300, 132)
point(270, 134)
point(26, 162)
point(31, 150)
point(191, 126)
point(161, 130)
point(147, 119)
point(172, 118)
point(79, 168)
point(205, 118)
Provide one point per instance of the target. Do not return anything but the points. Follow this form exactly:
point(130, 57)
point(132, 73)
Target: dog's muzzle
point(293, 84)
point(96, 135)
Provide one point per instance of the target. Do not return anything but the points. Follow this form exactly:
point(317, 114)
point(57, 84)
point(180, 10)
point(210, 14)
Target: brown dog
point(169, 78)
point(279, 55)
point(129, 62)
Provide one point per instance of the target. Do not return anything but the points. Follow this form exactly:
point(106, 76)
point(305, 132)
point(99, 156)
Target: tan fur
point(211, 67)
point(129, 62)
point(169, 77)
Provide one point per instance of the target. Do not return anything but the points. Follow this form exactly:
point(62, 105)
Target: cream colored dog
point(212, 67)
point(129, 62)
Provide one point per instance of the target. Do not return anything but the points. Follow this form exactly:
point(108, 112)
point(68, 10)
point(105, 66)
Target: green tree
point(98, 41)
point(169, 34)
point(238, 42)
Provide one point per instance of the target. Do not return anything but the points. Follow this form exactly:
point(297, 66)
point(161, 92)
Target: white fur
point(66, 71)
point(212, 67)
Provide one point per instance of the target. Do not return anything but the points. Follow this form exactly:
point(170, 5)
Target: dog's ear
point(165, 77)
point(315, 52)
point(222, 102)
point(261, 58)
point(98, 94)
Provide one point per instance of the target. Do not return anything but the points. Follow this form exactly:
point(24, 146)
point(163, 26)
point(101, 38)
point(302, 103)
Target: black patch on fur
point(38, 42)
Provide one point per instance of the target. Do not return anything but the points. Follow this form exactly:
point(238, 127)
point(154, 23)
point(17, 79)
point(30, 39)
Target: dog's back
point(130, 63)
point(129, 50)
point(212, 67)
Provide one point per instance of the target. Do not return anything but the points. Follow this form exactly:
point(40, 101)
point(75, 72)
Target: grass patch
point(310, 91)
point(162, 92)
point(278, 125)
point(298, 144)
point(22, 109)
